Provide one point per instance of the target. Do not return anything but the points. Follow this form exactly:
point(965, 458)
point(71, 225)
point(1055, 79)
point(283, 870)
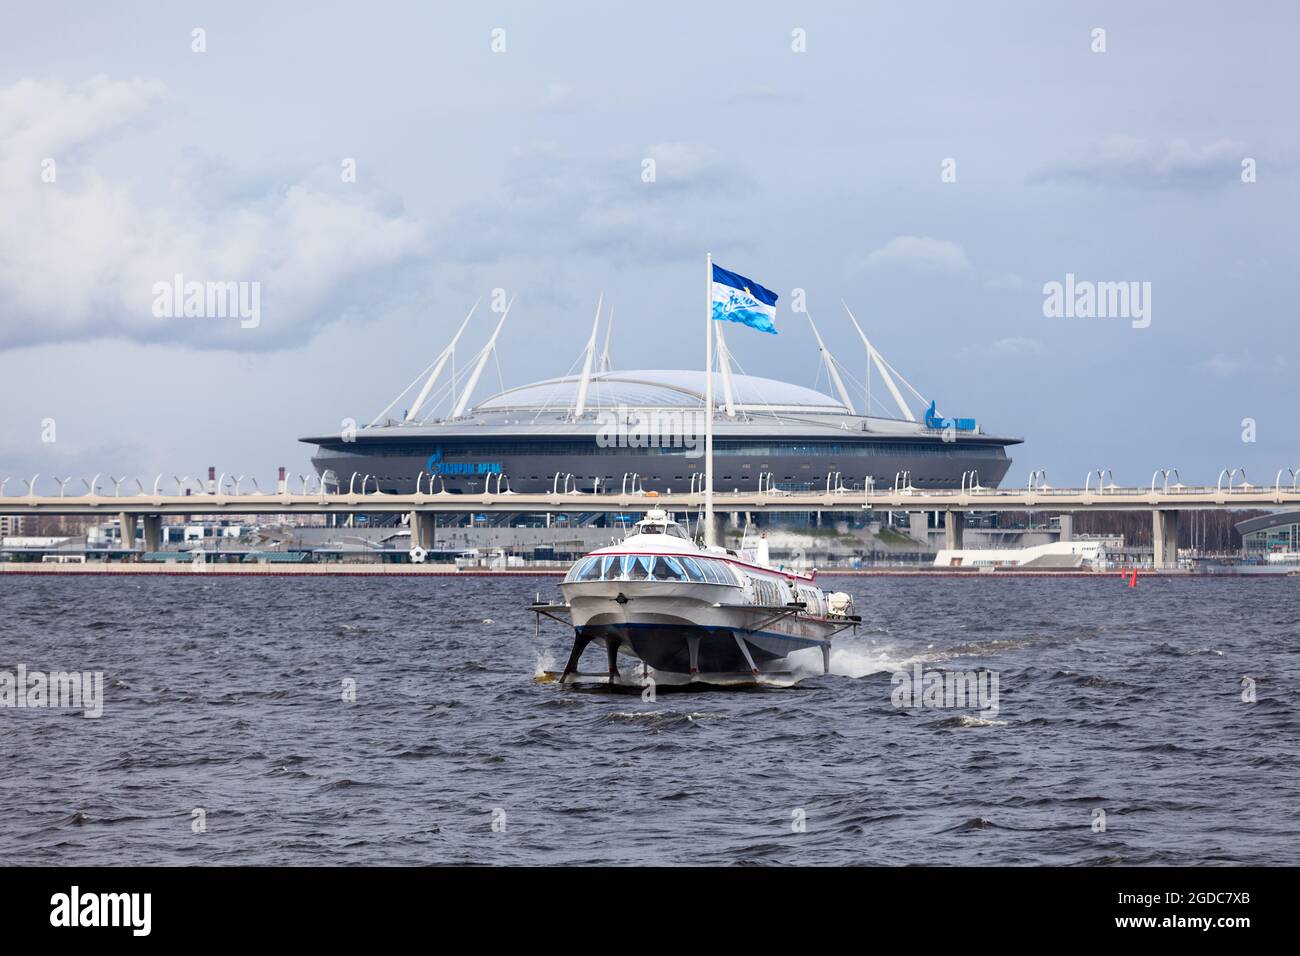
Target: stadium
point(604, 430)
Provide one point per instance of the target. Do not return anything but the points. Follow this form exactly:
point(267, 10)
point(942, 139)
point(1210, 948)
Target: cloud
point(1006, 281)
point(79, 256)
point(555, 95)
point(553, 205)
point(1223, 365)
point(1148, 164)
point(1012, 347)
point(1016, 345)
point(69, 457)
point(920, 254)
point(687, 165)
point(763, 96)
point(39, 119)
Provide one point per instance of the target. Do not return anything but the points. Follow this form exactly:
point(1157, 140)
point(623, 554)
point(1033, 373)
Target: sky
point(933, 165)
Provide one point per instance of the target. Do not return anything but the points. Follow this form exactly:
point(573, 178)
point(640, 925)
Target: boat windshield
point(672, 530)
point(651, 567)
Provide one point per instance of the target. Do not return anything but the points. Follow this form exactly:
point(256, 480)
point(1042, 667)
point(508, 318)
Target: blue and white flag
point(737, 299)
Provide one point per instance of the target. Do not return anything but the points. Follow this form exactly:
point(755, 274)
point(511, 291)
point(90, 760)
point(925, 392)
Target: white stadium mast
point(884, 368)
point(483, 357)
point(605, 365)
point(832, 370)
point(580, 406)
point(439, 364)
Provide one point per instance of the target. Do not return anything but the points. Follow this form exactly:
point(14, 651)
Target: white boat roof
point(638, 542)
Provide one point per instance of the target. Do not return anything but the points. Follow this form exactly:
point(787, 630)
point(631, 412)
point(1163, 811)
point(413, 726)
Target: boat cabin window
point(812, 597)
point(767, 592)
point(667, 528)
point(576, 572)
point(668, 569)
point(648, 567)
point(716, 572)
point(636, 567)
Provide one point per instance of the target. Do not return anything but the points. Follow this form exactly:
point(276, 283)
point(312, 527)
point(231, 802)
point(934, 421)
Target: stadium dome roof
point(661, 388)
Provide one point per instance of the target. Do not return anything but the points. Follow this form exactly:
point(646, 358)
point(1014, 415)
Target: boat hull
point(667, 646)
point(690, 629)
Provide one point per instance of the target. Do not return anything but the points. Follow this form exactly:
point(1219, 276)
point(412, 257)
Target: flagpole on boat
point(708, 400)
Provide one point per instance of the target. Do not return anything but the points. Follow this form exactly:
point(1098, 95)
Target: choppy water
point(226, 695)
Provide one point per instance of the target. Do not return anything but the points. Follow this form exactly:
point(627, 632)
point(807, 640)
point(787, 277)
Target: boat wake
point(853, 659)
point(545, 666)
point(849, 658)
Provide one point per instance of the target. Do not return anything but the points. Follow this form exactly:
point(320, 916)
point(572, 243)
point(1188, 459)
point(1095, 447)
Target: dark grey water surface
point(226, 695)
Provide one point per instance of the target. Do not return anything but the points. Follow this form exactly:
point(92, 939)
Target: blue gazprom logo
point(436, 466)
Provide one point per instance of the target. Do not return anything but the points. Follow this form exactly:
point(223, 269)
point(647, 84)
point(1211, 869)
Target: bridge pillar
point(422, 529)
point(1164, 538)
point(152, 532)
point(1067, 527)
point(918, 526)
point(954, 523)
point(127, 524)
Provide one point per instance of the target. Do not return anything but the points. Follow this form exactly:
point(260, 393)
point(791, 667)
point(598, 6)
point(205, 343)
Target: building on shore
point(1271, 537)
